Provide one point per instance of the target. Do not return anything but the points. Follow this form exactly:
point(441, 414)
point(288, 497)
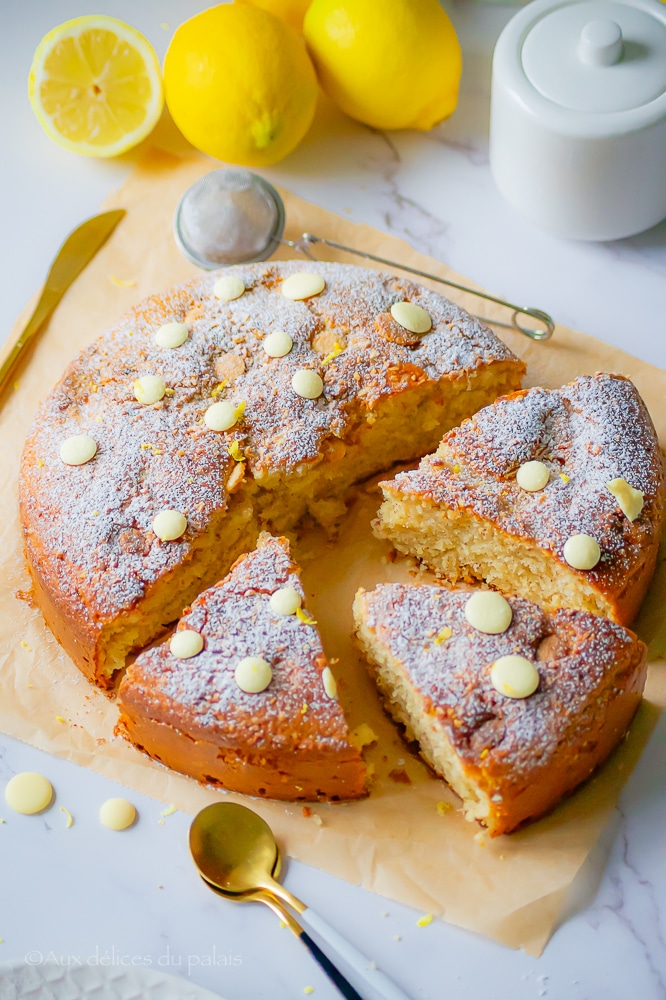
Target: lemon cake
point(242, 695)
point(512, 705)
point(234, 402)
point(553, 494)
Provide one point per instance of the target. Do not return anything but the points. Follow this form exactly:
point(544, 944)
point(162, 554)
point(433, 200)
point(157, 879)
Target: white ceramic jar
point(578, 116)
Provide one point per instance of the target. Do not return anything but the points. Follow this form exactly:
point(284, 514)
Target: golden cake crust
point(521, 755)
point(587, 433)
point(290, 741)
point(106, 583)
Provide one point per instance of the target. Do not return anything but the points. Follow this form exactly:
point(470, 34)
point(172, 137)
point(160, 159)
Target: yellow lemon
point(389, 63)
point(95, 85)
point(240, 85)
point(290, 11)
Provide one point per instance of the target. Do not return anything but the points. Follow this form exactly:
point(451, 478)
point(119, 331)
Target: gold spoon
point(235, 852)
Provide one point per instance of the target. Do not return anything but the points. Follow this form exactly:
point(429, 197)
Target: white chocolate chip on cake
point(117, 814)
point(630, 501)
point(285, 601)
point(220, 416)
point(228, 287)
point(307, 384)
point(582, 551)
point(28, 793)
point(169, 525)
point(149, 389)
point(514, 676)
point(186, 643)
point(330, 686)
point(532, 476)
point(411, 317)
point(172, 335)
point(277, 344)
point(303, 285)
point(78, 450)
point(253, 674)
point(488, 612)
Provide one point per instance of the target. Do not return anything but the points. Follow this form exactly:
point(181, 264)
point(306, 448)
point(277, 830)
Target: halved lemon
point(95, 85)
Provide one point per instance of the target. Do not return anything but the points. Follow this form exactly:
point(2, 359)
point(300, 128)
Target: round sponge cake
point(120, 544)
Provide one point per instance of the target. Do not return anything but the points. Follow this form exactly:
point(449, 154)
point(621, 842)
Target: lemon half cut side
point(95, 85)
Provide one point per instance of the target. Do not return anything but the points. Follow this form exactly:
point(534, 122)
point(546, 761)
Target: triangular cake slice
point(287, 741)
point(509, 758)
point(553, 494)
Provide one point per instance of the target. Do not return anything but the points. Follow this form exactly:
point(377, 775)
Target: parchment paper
point(396, 843)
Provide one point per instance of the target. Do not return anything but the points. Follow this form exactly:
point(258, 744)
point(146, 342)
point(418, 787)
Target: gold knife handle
point(78, 250)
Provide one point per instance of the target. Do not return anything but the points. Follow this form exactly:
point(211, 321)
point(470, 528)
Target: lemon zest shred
point(302, 617)
point(122, 282)
point(333, 353)
point(68, 816)
point(423, 921)
point(443, 634)
point(235, 452)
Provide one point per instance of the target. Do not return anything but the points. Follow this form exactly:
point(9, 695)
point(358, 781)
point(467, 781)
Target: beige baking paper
point(396, 843)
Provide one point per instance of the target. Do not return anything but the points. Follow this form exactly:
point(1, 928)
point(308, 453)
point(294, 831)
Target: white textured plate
point(20, 981)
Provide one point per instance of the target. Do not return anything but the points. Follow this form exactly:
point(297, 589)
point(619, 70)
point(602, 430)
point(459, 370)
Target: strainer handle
point(518, 311)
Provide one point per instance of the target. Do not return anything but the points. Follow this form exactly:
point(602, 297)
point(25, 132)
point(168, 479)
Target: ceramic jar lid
point(597, 56)
point(578, 116)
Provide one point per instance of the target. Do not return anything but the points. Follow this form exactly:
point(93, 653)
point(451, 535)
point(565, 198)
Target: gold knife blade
point(78, 250)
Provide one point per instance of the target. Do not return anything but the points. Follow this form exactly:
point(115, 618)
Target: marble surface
point(86, 894)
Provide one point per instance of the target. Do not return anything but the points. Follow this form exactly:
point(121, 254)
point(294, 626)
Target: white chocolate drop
point(285, 601)
point(220, 416)
point(514, 676)
point(532, 476)
point(149, 389)
point(582, 551)
point(78, 450)
point(307, 384)
point(117, 814)
point(630, 501)
point(253, 674)
point(186, 643)
point(172, 335)
point(303, 285)
point(488, 612)
point(169, 525)
point(28, 793)
point(228, 287)
point(330, 686)
point(411, 317)
point(277, 344)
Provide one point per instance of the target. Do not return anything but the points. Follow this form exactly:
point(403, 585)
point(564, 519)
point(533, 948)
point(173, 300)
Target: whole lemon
point(291, 11)
point(389, 63)
point(240, 85)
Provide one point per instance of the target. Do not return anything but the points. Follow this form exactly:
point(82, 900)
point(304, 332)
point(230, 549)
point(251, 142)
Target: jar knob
point(601, 43)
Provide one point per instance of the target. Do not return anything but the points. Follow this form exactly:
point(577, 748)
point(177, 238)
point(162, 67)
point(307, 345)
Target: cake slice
point(255, 710)
point(553, 494)
point(509, 758)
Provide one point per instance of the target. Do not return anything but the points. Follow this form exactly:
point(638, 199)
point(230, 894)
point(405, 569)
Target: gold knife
point(78, 250)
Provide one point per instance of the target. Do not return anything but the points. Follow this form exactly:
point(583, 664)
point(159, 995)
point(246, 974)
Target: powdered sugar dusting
point(92, 523)
point(200, 695)
point(587, 433)
point(454, 675)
